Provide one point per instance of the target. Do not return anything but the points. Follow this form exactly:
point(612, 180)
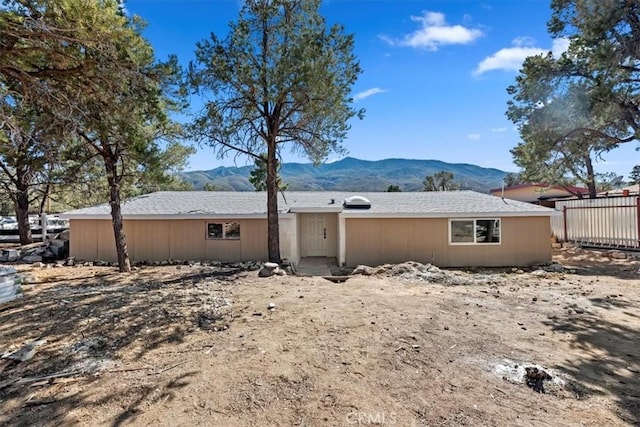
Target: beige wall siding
point(157, 240)
point(187, 238)
point(375, 241)
point(149, 244)
point(254, 240)
point(106, 242)
point(83, 239)
point(525, 241)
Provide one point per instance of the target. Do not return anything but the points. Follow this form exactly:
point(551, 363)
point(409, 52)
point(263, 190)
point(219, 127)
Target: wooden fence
point(612, 222)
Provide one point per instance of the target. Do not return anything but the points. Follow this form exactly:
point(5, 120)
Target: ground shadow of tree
point(597, 262)
point(101, 321)
point(610, 356)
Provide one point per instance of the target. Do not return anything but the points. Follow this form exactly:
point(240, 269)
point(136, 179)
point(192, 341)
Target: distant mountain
point(350, 174)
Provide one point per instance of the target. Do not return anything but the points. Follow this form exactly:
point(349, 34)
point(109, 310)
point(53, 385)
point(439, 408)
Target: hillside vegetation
point(350, 174)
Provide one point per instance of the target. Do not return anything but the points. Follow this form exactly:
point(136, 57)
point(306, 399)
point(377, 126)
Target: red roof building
point(540, 193)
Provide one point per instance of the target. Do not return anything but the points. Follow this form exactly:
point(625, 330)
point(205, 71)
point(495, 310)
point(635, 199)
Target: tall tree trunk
point(21, 203)
point(273, 227)
point(124, 264)
point(22, 214)
point(45, 199)
point(591, 178)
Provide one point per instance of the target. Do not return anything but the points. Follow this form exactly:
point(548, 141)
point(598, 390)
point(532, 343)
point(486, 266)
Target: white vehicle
point(8, 223)
point(53, 223)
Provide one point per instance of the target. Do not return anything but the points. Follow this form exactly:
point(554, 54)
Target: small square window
point(474, 231)
point(462, 231)
point(223, 230)
point(231, 230)
point(487, 231)
point(214, 231)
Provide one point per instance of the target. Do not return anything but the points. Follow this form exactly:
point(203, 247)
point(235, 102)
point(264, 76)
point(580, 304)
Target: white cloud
point(524, 41)
point(367, 93)
point(474, 136)
point(435, 32)
point(511, 58)
point(559, 46)
point(498, 130)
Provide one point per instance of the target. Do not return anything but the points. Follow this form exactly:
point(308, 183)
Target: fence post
point(43, 226)
point(564, 222)
point(638, 219)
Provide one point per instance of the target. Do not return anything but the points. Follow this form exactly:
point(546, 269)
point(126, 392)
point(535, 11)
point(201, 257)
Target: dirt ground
point(198, 345)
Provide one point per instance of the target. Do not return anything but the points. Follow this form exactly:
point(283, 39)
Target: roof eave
point(172, 217)
point(494, 214)
point(321, 209)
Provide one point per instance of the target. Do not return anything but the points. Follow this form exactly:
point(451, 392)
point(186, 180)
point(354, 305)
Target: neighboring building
point(611, 220)
point(448, 229)
point(631, 190)
point(542, 194)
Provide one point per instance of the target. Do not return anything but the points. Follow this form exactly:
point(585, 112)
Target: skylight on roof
point(356, 202)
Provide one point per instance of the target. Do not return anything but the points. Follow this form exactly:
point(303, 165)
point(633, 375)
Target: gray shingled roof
point(217, 203)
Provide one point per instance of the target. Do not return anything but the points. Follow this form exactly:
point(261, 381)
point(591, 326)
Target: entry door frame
point(315, 235)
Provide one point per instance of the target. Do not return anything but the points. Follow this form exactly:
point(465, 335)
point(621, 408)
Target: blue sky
point(435, 72)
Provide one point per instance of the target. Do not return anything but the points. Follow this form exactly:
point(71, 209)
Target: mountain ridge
point(352, 174)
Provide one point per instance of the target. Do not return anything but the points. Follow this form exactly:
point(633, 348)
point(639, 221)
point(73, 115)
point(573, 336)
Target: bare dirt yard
point(409, 345)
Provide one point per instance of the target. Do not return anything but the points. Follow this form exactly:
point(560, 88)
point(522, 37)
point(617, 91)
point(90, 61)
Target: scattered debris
point(169, 368)
point(617, 254)
point(530, 374)
point(30, 259)
point(89, 354)
point(9, 255)
point(555, 268)
point(535, 378)
point(28, 380)
point(25, 352)
point(211, 315)
point(363, 270)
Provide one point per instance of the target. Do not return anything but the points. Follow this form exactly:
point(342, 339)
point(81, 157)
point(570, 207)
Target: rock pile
point(416, 272)
point(412, 271)
point(270, 268)
point(55, 248)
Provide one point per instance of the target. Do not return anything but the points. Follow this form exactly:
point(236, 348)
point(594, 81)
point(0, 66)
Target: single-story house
point(448, 229)
point(539, 193)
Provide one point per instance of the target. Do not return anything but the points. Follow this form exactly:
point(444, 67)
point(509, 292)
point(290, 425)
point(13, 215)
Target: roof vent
point(356, 202)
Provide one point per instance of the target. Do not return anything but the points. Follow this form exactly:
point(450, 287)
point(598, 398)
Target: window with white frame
point(223, 230)
point(474, 231)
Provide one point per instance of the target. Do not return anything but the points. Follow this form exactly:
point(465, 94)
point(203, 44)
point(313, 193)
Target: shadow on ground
point(600, 262)
point(610, 355)
point(100, 323)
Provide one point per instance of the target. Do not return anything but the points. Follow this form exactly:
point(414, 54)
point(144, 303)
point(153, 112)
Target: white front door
point(316, 235)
